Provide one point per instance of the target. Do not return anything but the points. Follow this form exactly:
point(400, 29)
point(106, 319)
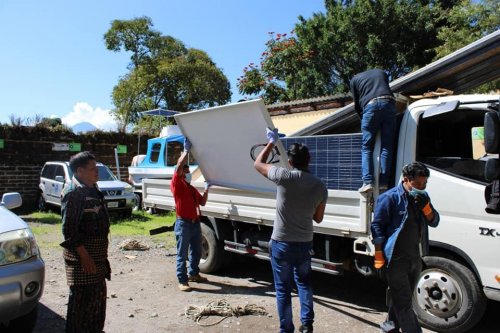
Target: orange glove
point(379, 259)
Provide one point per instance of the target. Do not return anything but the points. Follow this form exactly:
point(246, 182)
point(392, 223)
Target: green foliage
point(323, 52)
point(467, 22)
point(163, 73)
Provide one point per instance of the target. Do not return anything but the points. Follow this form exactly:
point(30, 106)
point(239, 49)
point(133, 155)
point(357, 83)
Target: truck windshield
point(105, 174)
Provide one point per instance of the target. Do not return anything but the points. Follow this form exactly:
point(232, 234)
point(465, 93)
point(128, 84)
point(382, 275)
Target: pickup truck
point(462, 270)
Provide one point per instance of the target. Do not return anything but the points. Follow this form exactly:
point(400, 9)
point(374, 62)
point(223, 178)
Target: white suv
point(22, 270)
point(119, 196)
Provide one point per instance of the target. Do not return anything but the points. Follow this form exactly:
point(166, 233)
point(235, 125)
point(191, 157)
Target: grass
point(44, 224)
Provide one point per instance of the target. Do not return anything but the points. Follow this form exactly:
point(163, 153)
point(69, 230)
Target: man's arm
point(319, 213)
point(260, 164)
point(183, 158)
point(204, 197)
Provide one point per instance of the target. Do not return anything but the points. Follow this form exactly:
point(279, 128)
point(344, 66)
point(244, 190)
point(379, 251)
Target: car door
point(46, 180)
point(58, 184)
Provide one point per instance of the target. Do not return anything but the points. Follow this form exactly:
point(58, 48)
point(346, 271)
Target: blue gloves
point(272, 135)
point(207, 186)
point(187, 144)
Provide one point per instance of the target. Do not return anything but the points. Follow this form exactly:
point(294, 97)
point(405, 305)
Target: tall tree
point(163, 73)
point(353, 35)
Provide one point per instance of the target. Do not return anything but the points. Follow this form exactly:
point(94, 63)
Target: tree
point(467, 22)
point(135, 36)
point(163, 73)
point(329, 48)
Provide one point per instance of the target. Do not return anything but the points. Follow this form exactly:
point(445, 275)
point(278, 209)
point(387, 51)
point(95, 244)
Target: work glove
point(379, 261)
point(187, 144)
point(207, 186)
point(272, 135)
point(423, 202)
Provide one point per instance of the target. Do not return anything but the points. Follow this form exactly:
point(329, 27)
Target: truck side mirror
point(491, 132)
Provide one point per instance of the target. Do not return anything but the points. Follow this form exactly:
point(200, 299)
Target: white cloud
point(84, 112)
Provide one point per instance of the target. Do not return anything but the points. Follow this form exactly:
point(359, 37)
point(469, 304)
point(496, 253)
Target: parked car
point(119, 196)
point(22, 270)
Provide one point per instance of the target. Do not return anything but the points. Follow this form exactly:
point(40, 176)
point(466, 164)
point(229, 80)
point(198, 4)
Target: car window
point(48, 171)
point(105, 174)
point(59, 171)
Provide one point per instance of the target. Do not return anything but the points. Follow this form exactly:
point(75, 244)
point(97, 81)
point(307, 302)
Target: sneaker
point(366, 188)
point(306, 329)
point(184, 287)
point(197, 278)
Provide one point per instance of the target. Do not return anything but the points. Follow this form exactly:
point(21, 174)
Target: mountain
point(83, 127)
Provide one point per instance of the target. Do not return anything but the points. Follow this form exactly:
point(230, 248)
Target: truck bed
point(347, 213)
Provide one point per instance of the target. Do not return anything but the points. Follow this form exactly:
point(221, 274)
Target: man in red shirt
point(187, 225)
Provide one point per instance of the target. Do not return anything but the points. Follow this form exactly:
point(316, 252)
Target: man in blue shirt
point(400, 235)
point(375, 104)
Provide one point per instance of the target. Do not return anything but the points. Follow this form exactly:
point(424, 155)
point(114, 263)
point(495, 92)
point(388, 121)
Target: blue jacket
point(391, 213)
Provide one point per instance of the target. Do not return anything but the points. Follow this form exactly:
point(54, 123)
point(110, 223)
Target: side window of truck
point(48, 171)
point(445, 142)
point(174, 151)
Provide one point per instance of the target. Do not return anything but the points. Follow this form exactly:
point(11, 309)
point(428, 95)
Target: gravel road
point(143, 296)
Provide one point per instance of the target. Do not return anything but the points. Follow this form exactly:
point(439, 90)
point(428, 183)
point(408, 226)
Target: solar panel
point(335, 159)
point(159, 112)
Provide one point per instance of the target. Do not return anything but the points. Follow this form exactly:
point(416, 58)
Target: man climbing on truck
point(301, 197)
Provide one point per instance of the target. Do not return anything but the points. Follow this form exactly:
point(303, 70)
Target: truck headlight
point(129, 189)
point(16, 246)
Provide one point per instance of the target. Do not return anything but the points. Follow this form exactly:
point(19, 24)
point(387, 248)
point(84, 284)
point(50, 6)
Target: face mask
point(189, 177)
point(415, 191)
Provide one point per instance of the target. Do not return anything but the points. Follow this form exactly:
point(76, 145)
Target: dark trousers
point(402, 277)
point(86, 308)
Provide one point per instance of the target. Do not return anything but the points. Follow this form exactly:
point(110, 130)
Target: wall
point(26, 149)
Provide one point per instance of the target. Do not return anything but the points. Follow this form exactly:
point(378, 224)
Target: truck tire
point(448, 297)
point(42, 204)
point(25, 323)
point(211, 250)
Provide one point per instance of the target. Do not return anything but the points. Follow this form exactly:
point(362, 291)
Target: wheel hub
point(438, 293)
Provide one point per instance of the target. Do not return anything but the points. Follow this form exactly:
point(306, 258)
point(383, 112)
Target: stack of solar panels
point(336, 159)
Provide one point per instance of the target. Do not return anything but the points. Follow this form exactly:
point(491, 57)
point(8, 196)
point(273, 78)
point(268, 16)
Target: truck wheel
point(25, 323)
point(211, 250)
point(137, 202)
point(42, 204)
point(448, 297)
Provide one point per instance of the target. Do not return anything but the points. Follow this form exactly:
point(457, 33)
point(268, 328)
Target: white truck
point(462, 270)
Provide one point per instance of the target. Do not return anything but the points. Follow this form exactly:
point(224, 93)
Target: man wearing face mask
point(187, 225)
point(400, 234)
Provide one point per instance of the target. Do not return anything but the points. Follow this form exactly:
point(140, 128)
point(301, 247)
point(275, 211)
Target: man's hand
point(422, 201)
point(272, 135)
point(88, 265)
point(379, 261)
point(207, 185)
point(187, 145)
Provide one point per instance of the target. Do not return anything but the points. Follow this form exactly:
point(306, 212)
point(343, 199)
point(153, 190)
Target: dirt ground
point(143, 296)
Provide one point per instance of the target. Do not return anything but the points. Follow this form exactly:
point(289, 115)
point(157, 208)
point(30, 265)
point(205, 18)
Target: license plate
point(112, 204)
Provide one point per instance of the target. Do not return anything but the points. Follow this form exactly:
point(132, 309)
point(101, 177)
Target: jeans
point(188, 236)
point(379, 115)
point(402, 277)
point(292, 261)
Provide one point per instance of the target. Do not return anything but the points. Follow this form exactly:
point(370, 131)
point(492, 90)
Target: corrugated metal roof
point(462, 70)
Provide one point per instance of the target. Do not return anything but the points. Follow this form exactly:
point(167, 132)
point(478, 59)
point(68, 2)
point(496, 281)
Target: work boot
point(197, 278)
point(306, 328)
point(366, 188)
point(184, 286)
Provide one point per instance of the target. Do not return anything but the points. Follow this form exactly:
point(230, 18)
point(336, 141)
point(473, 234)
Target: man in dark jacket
point(400, 235)
point(85, 226)
point(376, 107)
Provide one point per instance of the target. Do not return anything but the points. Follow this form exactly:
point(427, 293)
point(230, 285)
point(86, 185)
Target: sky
point(54, 63)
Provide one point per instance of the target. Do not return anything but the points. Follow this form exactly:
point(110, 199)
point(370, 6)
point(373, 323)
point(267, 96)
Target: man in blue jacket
point(400, 235)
